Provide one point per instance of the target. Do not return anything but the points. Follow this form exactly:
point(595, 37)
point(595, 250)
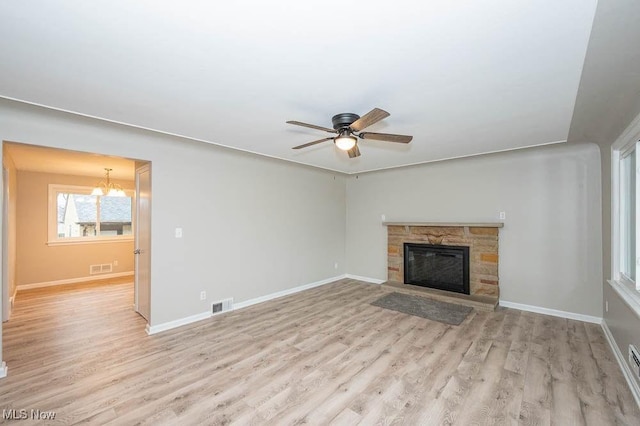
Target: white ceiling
point(58, 161)
point(609, 93)
point(463, 77)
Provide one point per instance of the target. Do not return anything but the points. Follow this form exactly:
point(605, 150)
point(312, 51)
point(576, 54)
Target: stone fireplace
point(437, 266)
point(480, 238)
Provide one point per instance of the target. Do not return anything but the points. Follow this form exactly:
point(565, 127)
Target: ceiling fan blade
point(354, 152)
point(312, 126)
point(368, 119)
point(312, 143)
point(387, 137)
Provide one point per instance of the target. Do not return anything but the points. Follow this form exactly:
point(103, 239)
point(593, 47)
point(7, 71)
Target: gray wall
point(622, 321)
point(252, 226)
point(608, 100)
point(550, 253)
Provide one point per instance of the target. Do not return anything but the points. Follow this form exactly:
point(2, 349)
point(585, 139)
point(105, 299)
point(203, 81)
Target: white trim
point(457, 157)
point(4, 370)
point(181, 136)
point(615, 214)
point(552, 312)
point(622, 362)
point(631, 132)
point(176, 323)
point(162, 132)
point(73, 280)
point(12, 299)
point(204, 315)
point(627, 140)
point(630, 296)
point(365, 279)
point(91, 240)
point(287, 292)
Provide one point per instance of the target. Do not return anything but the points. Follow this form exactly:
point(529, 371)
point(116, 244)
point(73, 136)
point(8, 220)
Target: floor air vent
point(222, 306)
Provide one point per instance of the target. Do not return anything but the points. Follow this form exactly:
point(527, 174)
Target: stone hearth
point(481, 238)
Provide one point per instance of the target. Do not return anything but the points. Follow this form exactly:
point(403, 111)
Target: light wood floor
point(323, 356)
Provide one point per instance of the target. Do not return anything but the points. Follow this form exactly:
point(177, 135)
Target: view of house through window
point(80, 214)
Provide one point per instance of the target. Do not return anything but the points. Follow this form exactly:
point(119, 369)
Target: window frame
point(52, 217)
point(624, 145)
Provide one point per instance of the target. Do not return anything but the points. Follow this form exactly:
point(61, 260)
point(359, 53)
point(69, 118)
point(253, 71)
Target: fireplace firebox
point(437, 266)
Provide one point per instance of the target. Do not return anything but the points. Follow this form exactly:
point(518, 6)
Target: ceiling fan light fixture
point(349, 128)
point(345, 142)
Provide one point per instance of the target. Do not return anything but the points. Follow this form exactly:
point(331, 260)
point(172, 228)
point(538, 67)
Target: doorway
point(38, 169)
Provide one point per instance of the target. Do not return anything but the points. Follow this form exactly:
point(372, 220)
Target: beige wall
point(11, 196)
point(37, 262)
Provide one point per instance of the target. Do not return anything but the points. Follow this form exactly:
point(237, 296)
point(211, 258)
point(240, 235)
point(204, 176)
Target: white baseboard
point(199, 317)
point(365, 279)
point(3, 370)
point(552, 312)
point(73, 280)
point(177, 323)
point(12, 299)
point(622, 362)
point(287, 292)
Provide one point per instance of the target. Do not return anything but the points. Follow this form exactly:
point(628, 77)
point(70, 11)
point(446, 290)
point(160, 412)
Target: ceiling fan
point(349, 128)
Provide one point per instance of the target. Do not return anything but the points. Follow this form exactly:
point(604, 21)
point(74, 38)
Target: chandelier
point(109, 188)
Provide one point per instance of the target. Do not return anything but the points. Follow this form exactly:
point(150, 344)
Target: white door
point(143, 241)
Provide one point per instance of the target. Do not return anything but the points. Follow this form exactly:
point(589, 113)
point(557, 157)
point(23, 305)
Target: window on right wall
point(628, 203)
point(628, 217)
point(625, 197)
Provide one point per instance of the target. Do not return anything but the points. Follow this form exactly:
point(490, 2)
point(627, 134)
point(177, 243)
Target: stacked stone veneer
point(483, 251)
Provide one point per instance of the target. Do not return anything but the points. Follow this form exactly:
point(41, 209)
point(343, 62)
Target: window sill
point(630, 295)
point(89, 241)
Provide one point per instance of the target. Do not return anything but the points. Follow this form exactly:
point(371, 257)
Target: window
point(76, 216)
point(628, 218)
point(625, 215)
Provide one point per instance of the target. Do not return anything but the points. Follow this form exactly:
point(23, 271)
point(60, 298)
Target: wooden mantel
point(447, 224)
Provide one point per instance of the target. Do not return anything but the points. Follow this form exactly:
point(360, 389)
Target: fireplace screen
point(437, 266)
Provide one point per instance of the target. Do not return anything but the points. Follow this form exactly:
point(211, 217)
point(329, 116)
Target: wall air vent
point(634, 360)
point(222, 306)
point(100, 269)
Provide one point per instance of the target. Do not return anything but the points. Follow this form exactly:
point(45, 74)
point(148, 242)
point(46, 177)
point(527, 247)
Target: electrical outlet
point(203, 295)
point(115, 263)
point(335, 265)
point(502, 215)
point(178, 232)
point(384, 217)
